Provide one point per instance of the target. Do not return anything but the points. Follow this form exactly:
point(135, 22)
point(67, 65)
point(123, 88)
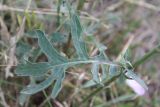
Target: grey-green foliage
point(54, 69)
point(77, 32)
point(56, 66)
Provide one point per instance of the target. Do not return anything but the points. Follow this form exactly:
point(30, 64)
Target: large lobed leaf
point(56, 66)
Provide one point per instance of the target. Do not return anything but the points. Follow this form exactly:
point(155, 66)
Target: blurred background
point(115, 23)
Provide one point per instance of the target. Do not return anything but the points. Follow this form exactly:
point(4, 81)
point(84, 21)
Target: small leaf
point(127, 55)
point(22, 48)
point(132, 75)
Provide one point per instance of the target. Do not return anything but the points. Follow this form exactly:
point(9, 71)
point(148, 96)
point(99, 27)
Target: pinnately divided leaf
point(56, 66)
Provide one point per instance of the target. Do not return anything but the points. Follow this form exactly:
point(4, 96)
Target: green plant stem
point(49, 103)
point(99, 89)
point(147, 56)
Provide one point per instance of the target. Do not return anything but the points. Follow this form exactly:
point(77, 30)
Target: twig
point(45, 94)
point(3, 101)
point(45, 101)
point(147, 56)
point(125, 47)
point(143, 4)
point(12, 58)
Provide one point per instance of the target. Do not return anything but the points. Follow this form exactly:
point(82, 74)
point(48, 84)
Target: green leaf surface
point(58, 84)
point(22, 48)
point(77, 32)
point(48, 49)
point(112, 70)
point(32, 69)
point(58, 37)
point(104, 72)
point(31, 34)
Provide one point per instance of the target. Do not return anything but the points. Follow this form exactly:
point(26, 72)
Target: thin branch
point(143, 4)
point(147, 56)
point(3, 101)
point(125, 47)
